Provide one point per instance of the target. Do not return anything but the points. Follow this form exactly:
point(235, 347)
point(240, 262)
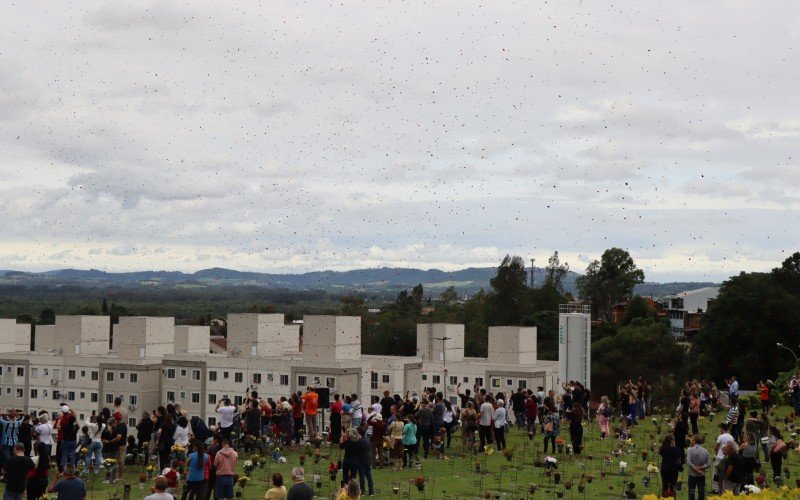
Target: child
point(133, 451)
point(173, 478)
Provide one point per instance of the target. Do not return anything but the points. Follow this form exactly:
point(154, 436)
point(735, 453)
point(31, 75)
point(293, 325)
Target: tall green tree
point(509, 297)
point(739, 333)
point(609, 280)
point(555, 272)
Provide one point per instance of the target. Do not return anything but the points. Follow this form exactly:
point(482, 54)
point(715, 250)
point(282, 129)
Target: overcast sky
point(295, 136)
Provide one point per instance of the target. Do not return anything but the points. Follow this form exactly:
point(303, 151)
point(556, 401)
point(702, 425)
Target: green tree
point(352, 305)
point(645, 348)
point(47, 317)
point(740, 331)
point(509, 299)
point(609, 280)
point(417, 294)
point(788, 275)
point(555, 272)
point(104, 307)
point(637, 308)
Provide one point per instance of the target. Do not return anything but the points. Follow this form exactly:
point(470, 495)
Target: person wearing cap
point(68, 485)
point(68, 434)
point(160, 490)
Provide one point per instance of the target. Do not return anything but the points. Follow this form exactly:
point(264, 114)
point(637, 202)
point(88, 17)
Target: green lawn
point(456, 477)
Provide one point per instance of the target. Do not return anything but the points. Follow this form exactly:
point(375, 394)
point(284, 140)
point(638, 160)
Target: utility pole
point(444, 363)
point(533, 270)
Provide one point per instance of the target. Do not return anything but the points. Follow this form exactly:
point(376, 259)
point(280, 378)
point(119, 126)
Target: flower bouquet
point(550, 462)
point(179, 452)
point(317, 456)
point(489, 449)
point(333, 469)
point(652, 468)
point(508, 453)
point(150, 470)
point(560, 444)
point(419, 482)
point(242, 481)
point(623, 468)
point(248, 467)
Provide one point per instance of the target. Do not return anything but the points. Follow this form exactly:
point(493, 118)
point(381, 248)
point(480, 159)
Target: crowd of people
point(195, 461)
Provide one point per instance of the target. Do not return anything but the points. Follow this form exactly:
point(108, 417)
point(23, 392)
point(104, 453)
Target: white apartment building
point(86, 362)
point(685, 309)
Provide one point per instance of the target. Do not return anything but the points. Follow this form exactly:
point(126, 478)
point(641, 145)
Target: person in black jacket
point(144, 433)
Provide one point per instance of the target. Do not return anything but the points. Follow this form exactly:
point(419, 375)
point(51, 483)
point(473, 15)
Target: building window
point(109, 376)
point(522, 384)
point(34, 372)
point(212, 399)
point(224, 374)
point(20, 371)
point(330, 382)
point(238, 377)
point(212, 421)
point(195, 374)
point(385, 378)
point(270, 378)
point(212, 376)
point(93, 397)
point(196, 399)
point(71, 396)
point(34, 393)
point(134, 378)
point(317, 381)
point(479, 382)
point(302, 380)
point(170, 396)
point(453, 380)
point(284, 380)
point(45, 371)
point(131, 422)
point(437, 379)
point(238, 400)
point(83, 373)
point(424, 376)
point(465, 380)
point(183, 372)
point(110, 398)
point(20, 392)
point(256, 378)
point(509, 382)
point(122, 375)
point(373, 380)
point(83, 395)
point(133, 400)
point(495, 383)
point(56, 395)
point(183, 395)
point(170, 372)
point(71, 374)
point(95, 376)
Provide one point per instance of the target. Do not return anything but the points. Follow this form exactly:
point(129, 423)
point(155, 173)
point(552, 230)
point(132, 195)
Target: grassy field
point(456, 476)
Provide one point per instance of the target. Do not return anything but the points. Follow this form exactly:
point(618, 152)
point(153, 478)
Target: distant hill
point(384, 279)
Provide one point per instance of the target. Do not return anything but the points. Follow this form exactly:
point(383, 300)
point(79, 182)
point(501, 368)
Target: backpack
point(607, 411)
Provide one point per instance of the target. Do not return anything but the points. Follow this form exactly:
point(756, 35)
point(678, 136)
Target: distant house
point(618, 310)
point(685, 310)
point(219, 344)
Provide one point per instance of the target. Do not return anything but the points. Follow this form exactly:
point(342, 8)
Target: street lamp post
point(790, 350)
point(444, 363)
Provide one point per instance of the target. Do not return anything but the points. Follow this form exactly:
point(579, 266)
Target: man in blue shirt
point(10, 424)
point(733, 390)
point(67, 485)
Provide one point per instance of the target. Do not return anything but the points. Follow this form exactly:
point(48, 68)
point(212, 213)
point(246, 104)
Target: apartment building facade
point(86, 362)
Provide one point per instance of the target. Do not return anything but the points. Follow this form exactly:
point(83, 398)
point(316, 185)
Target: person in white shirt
point(357, 411)
point(485, 423)
point(499, 417)
point(719, 448)
point(181, 435)
point(226, 413)
point(44, 432)
point(95, 450)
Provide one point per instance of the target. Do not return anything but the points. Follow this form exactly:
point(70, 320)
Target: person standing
point(671, 458)
point(225, 462)
point(719, 448)
point(531, 412)
point(424, 417)
point(733, 390)
point(336, 419)
point(776, 451)
point(518, 407)
point(409, 440)
point(697, 462)
point(794, 391)
point(310, 405)
point(44, 433)
point(196, 479)
point(25, 435)
point(575, 417)
point(604, 416)
point(551, 425)
point(10, 423)
point(68, 429)
point(763, 390)
point(733, 475)
point(121, 435)
point(500, 422)
point(226, 412)
point(485, 423)
point(37, 477)
point(386, 405)
point(16, 470)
